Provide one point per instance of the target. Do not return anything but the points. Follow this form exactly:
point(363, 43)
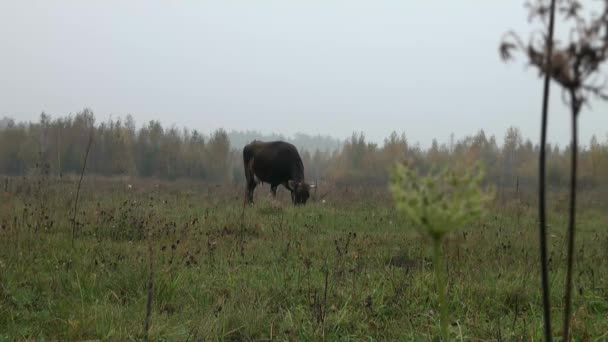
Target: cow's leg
point(250, 188)
point(273, 189)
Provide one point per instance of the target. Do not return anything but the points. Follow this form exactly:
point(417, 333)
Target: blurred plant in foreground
point(436, 205)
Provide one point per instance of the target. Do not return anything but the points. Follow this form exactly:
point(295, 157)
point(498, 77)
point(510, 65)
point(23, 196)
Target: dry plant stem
point(148, 321)
point(542, 181)
point(572, 219)
point(84, 165)
point(242, 232)
point(59, 152)
point(439, 276)
point(323, 312)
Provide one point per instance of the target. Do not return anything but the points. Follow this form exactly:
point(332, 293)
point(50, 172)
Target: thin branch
point(597, 91)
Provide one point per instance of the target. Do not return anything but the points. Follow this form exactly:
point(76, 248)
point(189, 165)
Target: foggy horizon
point(319, 68)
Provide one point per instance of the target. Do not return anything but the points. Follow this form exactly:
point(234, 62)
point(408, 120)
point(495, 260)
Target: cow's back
point(274, 161)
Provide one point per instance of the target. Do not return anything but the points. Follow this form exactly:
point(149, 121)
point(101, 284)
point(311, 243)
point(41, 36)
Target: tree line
point(152, 151)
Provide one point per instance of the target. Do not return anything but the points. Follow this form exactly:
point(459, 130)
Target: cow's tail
point(249, 175)
point(247, 157)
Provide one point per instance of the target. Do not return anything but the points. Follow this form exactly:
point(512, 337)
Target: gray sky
point(427, 68)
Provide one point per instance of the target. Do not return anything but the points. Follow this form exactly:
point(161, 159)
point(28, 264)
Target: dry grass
point(343, 269)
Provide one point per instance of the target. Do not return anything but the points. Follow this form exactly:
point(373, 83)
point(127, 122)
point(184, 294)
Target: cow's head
point(300, 192)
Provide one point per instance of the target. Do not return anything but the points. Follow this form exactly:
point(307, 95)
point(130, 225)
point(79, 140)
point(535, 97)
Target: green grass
point(221, 274)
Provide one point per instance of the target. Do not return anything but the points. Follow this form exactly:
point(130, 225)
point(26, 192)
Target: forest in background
point(119, 148)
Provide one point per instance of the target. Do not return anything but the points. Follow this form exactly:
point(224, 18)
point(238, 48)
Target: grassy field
point(345, 268)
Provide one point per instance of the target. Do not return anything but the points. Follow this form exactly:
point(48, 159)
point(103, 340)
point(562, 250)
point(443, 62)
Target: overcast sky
point(427, 68)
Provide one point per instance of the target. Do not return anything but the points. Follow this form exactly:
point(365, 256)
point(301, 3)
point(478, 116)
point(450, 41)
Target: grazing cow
point(276, 163)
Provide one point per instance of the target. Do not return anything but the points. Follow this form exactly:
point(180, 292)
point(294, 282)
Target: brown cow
point(276, 163)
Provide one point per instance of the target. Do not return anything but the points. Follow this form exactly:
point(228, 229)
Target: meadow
point(343, 267)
